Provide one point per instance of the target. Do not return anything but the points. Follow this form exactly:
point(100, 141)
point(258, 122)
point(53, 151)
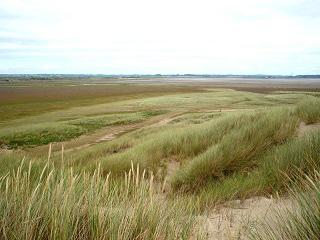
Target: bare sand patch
point(304, 128)
point(234, 218)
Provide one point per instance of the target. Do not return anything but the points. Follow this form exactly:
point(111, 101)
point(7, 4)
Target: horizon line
point(161, 74)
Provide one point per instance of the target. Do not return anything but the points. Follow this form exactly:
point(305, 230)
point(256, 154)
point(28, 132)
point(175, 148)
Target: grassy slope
point(182, 145)
point(225, 155)
point(273, 169)
point(271, 175)
point(238, 149)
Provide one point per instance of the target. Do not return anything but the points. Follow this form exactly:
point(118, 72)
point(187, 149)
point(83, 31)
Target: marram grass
point(62, 204)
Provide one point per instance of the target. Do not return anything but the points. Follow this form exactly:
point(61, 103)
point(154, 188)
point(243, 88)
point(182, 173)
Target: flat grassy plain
point(133, 159)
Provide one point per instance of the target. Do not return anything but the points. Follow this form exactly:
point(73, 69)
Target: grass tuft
point(309, 109)
point(61, 204)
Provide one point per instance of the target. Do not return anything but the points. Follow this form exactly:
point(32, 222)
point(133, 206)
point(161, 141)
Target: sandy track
point(304, 128)
point(111, 133)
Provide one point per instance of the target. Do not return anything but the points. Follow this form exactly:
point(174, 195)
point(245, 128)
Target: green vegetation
point(274, 171)
point(44, 133)
point(30, 126)
point(176, 143)
point(147, 164)
point(309, 109)
point(39, 134)
point(48, 203)
point(238, 148)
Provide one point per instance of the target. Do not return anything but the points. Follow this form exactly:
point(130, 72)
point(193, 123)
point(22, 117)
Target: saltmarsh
point(44, 133)
point(60, 125)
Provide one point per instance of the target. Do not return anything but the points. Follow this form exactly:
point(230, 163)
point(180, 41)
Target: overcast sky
point(163, 36)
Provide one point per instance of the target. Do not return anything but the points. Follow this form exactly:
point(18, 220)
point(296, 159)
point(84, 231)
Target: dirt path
point(115, 134)
point(164, 121)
